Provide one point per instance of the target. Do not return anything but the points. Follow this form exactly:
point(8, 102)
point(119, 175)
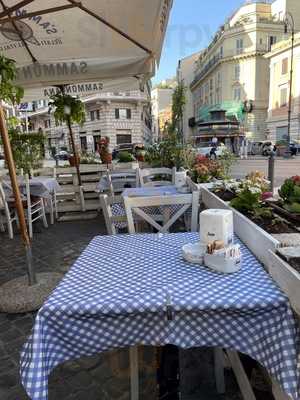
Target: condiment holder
point(215, 249)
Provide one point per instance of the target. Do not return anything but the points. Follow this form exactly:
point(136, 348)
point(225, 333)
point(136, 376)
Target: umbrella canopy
point(67, 42)
point(82, 41)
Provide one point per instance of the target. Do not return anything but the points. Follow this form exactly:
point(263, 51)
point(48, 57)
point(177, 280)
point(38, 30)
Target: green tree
point(178, 106)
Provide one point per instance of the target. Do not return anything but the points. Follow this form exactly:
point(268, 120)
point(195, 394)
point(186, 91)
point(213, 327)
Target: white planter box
point(287, 278)
point(254, 237)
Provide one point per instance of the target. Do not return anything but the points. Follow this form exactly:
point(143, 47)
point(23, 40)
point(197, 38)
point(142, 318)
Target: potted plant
point(206, 170)
point(103, 148)
point(125, 157)
point(69, 110)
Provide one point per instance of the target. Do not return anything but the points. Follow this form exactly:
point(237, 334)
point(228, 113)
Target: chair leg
point(2, 227)
point(44, 214)
point(55, 205)
point(10, 229)
point(51, 209)
point(29, 217)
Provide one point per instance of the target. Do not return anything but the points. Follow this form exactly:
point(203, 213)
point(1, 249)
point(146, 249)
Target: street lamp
point(289, 24)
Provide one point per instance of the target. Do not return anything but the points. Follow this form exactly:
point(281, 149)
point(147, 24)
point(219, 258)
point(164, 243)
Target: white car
point(205, 151)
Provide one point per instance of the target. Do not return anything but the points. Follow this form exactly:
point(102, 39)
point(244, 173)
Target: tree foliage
point(67, 108)
point(9, 92)
point(178, 106)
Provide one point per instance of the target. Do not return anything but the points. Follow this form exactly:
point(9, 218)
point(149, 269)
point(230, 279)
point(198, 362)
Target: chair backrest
point(116, 185)
point(110, 219)
point(148, 176)
point(27, 188)
point(178, 204)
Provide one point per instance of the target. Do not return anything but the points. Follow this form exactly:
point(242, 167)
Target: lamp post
point(290, 24)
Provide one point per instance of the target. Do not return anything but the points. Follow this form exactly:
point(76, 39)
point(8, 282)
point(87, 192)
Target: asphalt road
point(283, 168)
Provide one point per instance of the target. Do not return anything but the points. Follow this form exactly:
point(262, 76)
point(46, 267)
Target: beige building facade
point(185, 74)
point(280, 66)
point(161, 99)
point(124, 117)
point(232, 74)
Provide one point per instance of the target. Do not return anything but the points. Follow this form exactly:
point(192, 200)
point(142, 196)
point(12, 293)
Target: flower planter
point(286, 277)
point(255, 238)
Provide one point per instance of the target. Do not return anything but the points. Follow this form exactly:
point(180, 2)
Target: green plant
point(227, 160)
point(178, 106)
point(125, 157)
point(27, 148)
point(89, 159)
point(205, 170)
point(9, 92)
point(249, 196)
point(290, 194)
point(67, 108)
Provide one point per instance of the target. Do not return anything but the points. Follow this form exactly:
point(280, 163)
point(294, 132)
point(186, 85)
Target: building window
point(237, 72)
point(47, 123)
point(239, 46)
point(237, 94)
point(96, 137)
point(283, 97)
point(95, 114)
point(124, 138)
point(284, 66)
point(211, 99)
point(221, 52)
point(211, 84)
point(83, 143)
point(123, 113)
point(272, 41)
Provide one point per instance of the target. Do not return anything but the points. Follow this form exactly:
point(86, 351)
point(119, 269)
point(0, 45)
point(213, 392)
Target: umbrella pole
point(16, 191)
point(74, 150)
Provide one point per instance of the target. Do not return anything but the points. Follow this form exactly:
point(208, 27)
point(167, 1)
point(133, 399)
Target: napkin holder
point(180, 179)
point(226, 260)
point(216, 225)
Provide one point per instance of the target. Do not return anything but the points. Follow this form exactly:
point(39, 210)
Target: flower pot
point(72, 161)
point(281, 150)
point(106, 158)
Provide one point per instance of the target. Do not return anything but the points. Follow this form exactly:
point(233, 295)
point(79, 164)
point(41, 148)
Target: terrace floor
point(105, 376)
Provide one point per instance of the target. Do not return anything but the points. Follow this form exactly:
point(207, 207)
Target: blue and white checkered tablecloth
point(116, 293)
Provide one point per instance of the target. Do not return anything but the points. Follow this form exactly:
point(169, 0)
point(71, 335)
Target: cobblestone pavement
point(103, 377)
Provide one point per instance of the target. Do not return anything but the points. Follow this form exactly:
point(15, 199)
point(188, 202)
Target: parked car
point(62, 155)
point(205, 151)
point(262, 148)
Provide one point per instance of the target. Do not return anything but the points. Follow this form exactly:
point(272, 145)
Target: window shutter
point(128, 113)
point(117, 114)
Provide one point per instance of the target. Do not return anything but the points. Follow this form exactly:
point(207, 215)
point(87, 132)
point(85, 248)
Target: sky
point(191, 26)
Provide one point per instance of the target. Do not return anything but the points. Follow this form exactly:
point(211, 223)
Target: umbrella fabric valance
point(65, 41)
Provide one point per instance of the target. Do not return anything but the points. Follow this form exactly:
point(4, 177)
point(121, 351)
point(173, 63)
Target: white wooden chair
point(147, 176)
point(180, 204)
point(35, 209)
point(51, 202)
point(113, 220)
point(116, 185)
point(7, 215)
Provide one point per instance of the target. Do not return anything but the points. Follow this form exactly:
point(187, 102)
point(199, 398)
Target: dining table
point(40, 186)
point(131, 290)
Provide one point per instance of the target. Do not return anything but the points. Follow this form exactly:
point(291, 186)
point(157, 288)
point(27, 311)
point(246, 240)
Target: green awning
point(233, 109)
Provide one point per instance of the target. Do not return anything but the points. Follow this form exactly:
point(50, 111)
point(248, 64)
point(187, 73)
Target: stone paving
point(105, 376)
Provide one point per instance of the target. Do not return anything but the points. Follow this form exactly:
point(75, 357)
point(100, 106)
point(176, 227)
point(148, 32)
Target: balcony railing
point(231, 53)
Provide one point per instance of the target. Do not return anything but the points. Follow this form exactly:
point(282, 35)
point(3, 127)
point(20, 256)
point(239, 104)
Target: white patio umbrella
point(67, 42)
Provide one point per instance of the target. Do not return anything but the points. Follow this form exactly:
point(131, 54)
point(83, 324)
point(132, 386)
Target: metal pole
point(16, 191)
point(271, 170)
point(74, 149)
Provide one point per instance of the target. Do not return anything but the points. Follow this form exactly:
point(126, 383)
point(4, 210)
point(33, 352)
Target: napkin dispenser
point(180, 178)
point(216, 225)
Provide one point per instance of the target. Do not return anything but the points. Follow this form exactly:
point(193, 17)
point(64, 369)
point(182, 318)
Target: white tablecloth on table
point(117, 293)
point(40, 186)
point(118, 181)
